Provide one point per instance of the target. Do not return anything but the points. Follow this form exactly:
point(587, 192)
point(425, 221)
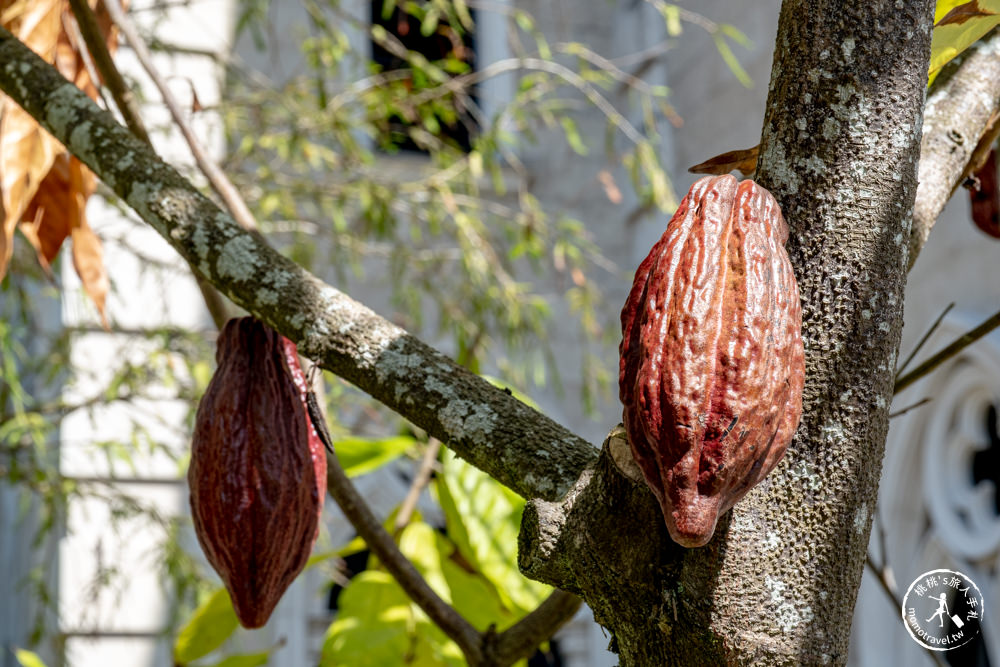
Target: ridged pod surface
point(712, 363)
point(258, 469)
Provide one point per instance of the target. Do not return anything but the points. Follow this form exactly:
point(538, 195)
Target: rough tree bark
point(778, 583)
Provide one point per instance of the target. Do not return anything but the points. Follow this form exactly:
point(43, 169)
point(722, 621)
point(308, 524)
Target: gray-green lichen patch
point(544, 485)
point(125, 162)
point(861, 519)
point(238, 260)
point(202, 245)
point(847, 48)
point(266, 296)
point(142, 197)
point(81, 141)
point(782, 173)
point(394, 363)
point(468, 420)
point(63, 107)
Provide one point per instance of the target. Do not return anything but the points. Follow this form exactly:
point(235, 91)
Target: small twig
point(885, 577)
point(419, 483)
point(923, 340)
point(72, 28)
point(129, 108)
point(888, 586)
point(216, 177)
point(914, 406)
point(947, 353)
point(113, 79)
point(520, 640)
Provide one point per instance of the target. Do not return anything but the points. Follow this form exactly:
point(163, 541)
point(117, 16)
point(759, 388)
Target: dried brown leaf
point(26, 151)
point(745, 161)
point(88, 260)
point(963, 13)
point(611, 190)
point(58, 206)
point(41, 185)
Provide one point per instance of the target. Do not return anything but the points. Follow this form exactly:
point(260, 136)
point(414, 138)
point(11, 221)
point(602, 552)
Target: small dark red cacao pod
point(712, 362)
point(258, 469)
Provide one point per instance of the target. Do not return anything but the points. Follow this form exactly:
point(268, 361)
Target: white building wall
point(113, 604)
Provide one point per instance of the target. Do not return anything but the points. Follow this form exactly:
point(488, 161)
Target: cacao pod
point(712, 363)
point(258, 469)
point(985, 198)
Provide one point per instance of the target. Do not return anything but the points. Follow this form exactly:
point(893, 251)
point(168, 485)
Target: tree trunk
point(777, 584)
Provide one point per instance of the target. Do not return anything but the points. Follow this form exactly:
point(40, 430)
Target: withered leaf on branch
point(744, 161)
point(42, 188)
point(963, 13)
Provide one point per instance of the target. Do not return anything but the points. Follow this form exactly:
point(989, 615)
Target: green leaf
point(573, 135)
point(359, 456)
point(483, 518)
point(672, 16)
point(730, 59)
point(374, 625)
point(212, 624)
point(28, 658)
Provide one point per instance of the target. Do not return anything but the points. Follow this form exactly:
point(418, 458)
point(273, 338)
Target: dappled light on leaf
point(957, 26)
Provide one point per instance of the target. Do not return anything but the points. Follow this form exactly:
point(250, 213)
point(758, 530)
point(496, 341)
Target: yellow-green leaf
point(957, 26)
point(28, 658)
point(212, 623)
point(359, 456)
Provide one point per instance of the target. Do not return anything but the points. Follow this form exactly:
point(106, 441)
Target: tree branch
point(520, 640)
point(515, 444)
point(957, 115)
point(420, 481)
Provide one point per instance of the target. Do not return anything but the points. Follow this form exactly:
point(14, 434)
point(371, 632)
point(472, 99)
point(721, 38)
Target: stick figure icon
point(941, 611)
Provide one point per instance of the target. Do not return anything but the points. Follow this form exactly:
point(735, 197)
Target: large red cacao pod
point(712, 362)
point(258, 469)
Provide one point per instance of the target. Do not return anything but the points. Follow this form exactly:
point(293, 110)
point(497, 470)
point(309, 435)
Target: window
point(449, 47)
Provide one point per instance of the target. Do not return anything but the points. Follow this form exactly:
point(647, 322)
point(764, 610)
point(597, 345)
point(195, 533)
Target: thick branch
point(957, 115)
point(515, 444)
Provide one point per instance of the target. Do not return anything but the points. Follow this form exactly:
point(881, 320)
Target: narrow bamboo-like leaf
point(731, 61)
point(573, 135)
